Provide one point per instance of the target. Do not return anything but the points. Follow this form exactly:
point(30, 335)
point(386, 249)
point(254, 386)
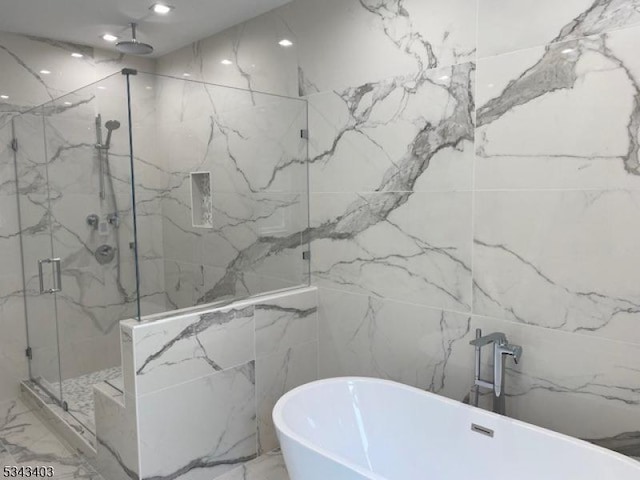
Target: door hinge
point(304, 134)
point(65, 406)
point(14, 144)
point(29, 353)
point(306, 255)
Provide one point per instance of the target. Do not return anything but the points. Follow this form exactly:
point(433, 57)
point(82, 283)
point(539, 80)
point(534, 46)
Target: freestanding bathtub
point(358, 428)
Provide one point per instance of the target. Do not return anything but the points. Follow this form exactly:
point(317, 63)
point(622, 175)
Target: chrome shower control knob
point(93, 220)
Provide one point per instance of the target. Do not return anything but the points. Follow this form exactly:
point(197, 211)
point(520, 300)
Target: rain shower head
point(133, 46)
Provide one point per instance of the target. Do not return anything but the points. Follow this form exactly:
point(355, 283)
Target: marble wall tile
point(375, 337)
point(270, 466)
point(178, 350)
point(561, 260)
point(411, 36)
point(276, 374)
point(185, 283)
point(13, 340)
point(500, 23)
point(562, 116)
point(285, 321)
point(379, 137)
point(259, 63)
point(117, 439)
point(128, 359)
point(24, 57)
point(201, 367)
point(383, 244)
point(7, 164)
point(211, 427)
point(286, 351)
point(251, 145)
point(225, 131)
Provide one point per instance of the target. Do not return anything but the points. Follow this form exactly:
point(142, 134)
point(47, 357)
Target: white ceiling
point(85, 21)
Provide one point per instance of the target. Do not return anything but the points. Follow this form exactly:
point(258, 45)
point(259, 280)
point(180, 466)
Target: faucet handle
point(516, 352)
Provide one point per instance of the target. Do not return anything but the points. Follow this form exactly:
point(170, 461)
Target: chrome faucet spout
point(496, 337)
point(501, 348)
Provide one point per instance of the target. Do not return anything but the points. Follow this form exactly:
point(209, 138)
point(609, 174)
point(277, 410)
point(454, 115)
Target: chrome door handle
point(57, 277)
point(57, 284)
point(40, 276)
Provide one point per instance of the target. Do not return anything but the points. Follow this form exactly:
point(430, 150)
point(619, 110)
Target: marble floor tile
point(26, 441)
point(5, 457)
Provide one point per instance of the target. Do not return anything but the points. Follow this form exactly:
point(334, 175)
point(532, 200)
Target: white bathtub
point(357, 428)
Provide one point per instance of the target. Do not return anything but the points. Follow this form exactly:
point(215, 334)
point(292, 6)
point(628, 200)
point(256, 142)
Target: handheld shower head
point(111, 125)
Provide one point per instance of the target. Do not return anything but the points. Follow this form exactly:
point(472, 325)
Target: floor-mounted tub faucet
point(501, 348)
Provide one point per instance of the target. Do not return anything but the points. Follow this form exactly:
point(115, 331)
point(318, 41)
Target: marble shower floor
point(78, 393)
point(26, 441)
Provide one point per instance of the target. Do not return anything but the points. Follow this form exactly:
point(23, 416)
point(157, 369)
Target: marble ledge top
point(132, 323)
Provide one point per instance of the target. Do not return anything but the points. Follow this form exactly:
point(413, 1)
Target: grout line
point(548, 330)
point(551, 42)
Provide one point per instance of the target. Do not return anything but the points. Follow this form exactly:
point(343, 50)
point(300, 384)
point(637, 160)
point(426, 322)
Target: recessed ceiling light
point(102, 88)
point(161, 9)
point(77, 55)
point(444, 77)
point(4, 97)
point(109, 38)
point(67, 103)
point(148, 87)
point(226, 62)
point(285, 42)
point(45, 72)
point(186, 74)
point(567, 50)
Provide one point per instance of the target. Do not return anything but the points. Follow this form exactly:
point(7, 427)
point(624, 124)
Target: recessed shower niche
point(201, 200)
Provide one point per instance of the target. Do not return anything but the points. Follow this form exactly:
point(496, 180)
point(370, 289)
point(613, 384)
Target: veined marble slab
point(564, 116)
point(500, 23)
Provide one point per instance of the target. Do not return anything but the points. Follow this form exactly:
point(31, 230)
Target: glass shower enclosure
point(141, 194)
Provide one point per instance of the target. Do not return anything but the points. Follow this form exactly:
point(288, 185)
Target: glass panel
point(35, 221)
point(87, 148)
point(221, 180)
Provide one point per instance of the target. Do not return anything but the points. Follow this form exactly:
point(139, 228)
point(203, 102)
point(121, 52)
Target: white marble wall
point(439, 206)
point(89, 309)
point(13, 364)
point(251, 145)
point(204, 383)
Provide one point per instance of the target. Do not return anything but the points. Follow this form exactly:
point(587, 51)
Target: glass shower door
point(41, 268)
point(75, 202)
point(87, 147)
